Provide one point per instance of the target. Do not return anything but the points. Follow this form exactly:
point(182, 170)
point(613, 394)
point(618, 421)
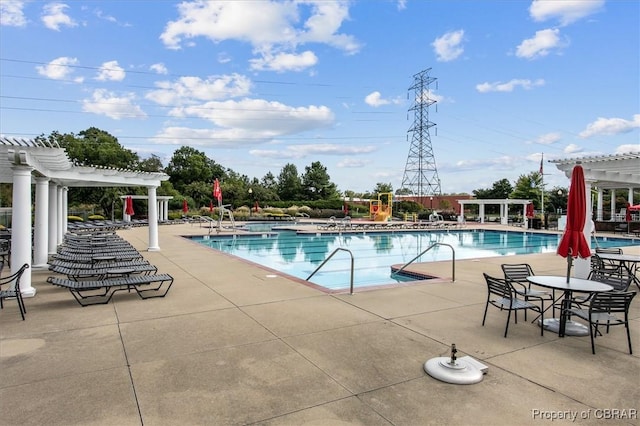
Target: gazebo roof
point(606, 171)
point(49, 160)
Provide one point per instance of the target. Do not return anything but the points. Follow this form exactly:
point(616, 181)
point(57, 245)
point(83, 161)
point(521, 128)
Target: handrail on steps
point(453, 264)
point(327, 259)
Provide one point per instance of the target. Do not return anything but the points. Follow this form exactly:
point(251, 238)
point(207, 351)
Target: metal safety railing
point(327, 259)
point(453, 264)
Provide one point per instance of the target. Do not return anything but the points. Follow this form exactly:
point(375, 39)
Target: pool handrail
point(329, 257)
point(453, 265)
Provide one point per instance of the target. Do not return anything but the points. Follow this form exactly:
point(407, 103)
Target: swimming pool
point(299, 254)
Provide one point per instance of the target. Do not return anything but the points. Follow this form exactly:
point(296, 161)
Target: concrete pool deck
point(233, 343)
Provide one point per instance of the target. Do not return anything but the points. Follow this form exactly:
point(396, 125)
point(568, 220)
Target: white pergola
point(504, 208)
point(46, 166)
point(606, 172)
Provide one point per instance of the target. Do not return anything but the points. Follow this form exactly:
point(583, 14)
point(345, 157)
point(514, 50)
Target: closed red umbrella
point(573, 243)
point(210, 206)
point(217, 192)
point(129, 206)
point(530, 212)
point(627, 217)
point(185, 207)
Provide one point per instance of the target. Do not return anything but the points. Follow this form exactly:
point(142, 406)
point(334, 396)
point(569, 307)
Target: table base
point(572, 328)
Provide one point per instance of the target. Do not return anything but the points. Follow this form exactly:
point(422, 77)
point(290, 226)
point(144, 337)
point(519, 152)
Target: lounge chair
point(11, 289)
point(102, 273)
point(101, 291)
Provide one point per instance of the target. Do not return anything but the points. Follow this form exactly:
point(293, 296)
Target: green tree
point(316, 183)
point(151, 164)
point(289, 183)
point(189, 165)
point(528, 187)
point(501, 189)
point(383, 188)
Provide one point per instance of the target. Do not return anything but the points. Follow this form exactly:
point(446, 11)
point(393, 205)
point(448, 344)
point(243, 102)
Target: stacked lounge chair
point(97, 266)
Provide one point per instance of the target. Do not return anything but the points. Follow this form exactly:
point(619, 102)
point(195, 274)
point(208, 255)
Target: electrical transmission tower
point(420, 172)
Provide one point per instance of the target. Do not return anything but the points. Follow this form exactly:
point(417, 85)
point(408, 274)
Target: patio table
point(628, 261)
point(558, 282)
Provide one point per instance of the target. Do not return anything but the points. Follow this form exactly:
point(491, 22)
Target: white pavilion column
point(21, 226)
point(630, 196)
point(152, 219)
point(524, 215)
point(125, 216)
point(61, 218)
point(41, 231)
point(53, 217)
point(481, 213)
point(612, 200)
point(599, 212)
point(582, 267)
point(65, 210)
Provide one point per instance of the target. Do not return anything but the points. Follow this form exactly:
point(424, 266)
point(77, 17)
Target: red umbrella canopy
point(634, 208)
point(185, 206)
point(217, 192)
point(573, 242)
point(129, 206)
point(530, 210)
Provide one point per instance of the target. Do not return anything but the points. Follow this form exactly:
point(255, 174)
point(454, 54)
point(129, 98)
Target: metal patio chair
point(10, 288)
point(502, 295)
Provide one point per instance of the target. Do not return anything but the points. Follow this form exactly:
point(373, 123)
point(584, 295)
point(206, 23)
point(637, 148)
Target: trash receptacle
point(535, 223)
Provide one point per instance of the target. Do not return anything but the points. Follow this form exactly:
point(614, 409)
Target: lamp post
point(250, 200)
point(431, 200)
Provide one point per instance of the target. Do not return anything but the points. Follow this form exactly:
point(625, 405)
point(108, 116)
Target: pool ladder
point(453, 264)
point(329, 257)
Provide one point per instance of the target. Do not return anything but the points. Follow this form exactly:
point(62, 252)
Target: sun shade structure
point(27, 162)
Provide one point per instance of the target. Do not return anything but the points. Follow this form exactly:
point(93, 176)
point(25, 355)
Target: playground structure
point(381, 210)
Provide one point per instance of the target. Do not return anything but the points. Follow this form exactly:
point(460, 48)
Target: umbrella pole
point(569, 262)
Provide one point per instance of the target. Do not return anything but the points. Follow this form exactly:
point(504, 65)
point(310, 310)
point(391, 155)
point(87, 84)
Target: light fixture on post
point(250, 200)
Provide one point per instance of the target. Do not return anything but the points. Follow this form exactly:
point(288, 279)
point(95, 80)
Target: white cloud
point(249, 121)
point(351, 163)
point(402, 4)
point(159, 68)
point(566, 11)
point(59, 69)
point(303, 151)
point(623, 149)
point(110, 71)
point(540, 45)
point(572, 149)
point(375, 99)
point(187, 90)
point(449, 46)
point(610, 126)
point(548, 138)
point(284, 61)
point(274, 29)
point(54, 16)
point(11, 13)
point(107, 103)
point(509, 86)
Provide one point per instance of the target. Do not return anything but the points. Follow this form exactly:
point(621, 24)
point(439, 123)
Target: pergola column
point(630, 196)
point(53, 218)
point(21, 226)
point(481, 213)
point(152, 219)
point(61, 218)
point(612, 198)
point(41, 230)
point(65, 210)
point(599, 212)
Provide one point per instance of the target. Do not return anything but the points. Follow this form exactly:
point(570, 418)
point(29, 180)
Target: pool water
point(374, 252)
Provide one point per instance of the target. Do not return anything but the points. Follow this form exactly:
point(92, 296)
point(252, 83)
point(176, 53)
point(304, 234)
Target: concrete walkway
point(233, 345)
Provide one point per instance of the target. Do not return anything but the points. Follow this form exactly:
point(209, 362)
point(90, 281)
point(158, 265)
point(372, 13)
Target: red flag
point(217, 193)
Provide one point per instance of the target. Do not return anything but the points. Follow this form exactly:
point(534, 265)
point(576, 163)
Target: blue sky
point(259, 84)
